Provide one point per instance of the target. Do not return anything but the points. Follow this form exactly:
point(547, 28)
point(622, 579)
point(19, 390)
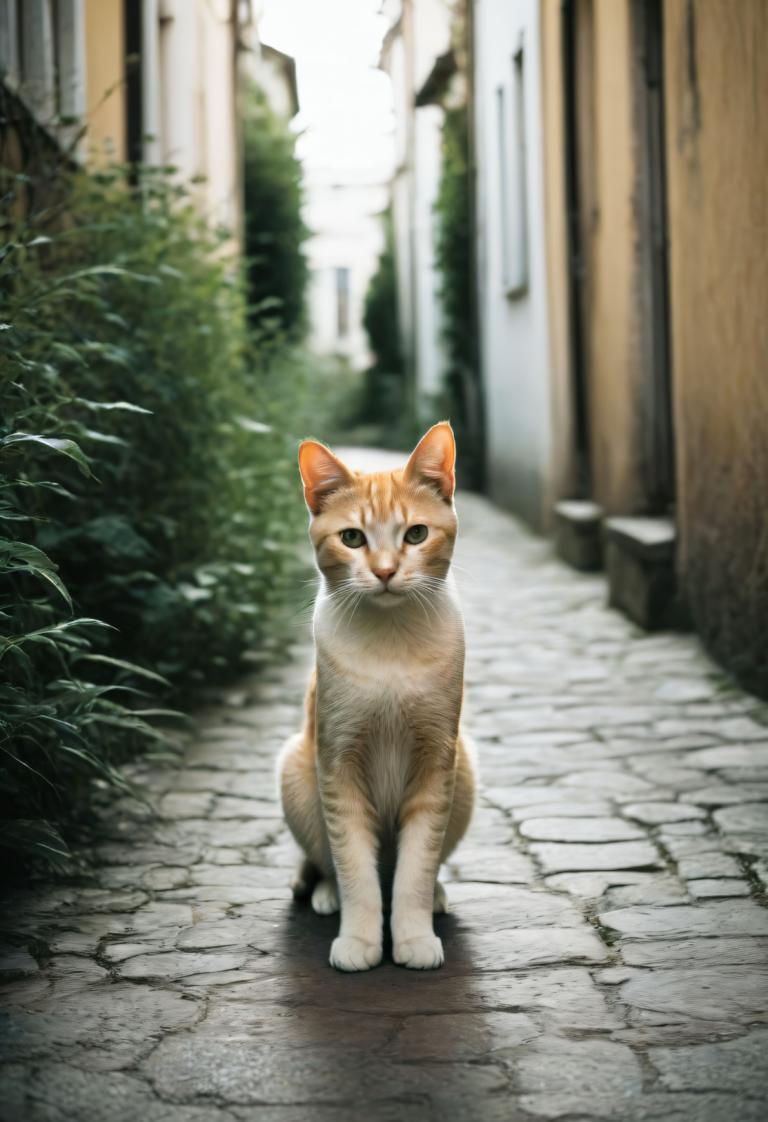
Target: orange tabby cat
point(380, 776)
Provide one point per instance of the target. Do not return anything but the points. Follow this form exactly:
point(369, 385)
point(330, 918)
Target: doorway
point(658, 441)
point(578, 135)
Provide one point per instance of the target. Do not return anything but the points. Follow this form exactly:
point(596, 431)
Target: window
point(342, 302)
point(42, 55)
point(513, 191)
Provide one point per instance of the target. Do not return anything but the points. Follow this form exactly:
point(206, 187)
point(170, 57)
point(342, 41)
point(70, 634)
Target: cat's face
point(386, 537)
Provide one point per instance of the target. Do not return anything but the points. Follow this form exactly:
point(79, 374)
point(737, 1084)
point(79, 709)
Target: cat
point(380, 776)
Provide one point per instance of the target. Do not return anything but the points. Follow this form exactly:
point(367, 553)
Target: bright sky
point(345, 103)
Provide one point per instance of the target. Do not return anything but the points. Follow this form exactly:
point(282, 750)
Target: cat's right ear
point(321, 473)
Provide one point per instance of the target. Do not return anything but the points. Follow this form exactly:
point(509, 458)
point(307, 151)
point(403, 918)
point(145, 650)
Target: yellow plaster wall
point(105, 67)
point(717, 156)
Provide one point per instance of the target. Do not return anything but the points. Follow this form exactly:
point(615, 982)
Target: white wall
point(423, 37)
point(430, 351)
point(348, 235)
point(514, 338)
point(196, 111)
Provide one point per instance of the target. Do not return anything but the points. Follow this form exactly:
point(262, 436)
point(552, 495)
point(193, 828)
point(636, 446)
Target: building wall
point(345, 237)
point(104, 73)
point(431, 22)
point(430, 352)
point(564, 468)
point(717, 153)
point(198, 113)
point(188, 91)
point(612, 341)
point(608, 222)
point(514, 328)
point(422, 35)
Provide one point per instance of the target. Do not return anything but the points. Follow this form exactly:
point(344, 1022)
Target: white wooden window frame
point(513, 187)
point(42, 60)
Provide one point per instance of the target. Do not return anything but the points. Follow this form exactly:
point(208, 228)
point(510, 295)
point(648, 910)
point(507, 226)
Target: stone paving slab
point(606, 949)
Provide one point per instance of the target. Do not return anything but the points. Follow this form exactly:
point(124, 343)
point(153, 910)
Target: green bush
point(277, 270)
point(147, 482)
point(453, 253)
point(384, 398)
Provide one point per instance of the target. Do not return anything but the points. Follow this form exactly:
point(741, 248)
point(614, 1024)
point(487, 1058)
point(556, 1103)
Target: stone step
point(578, 533)
point(640, 564)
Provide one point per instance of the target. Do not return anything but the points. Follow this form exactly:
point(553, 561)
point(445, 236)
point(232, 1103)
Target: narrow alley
point(605, 948)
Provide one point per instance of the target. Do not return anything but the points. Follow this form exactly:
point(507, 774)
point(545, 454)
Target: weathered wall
point(608, 176)
point(105, 70)
point(561, 482)
point(514, 327)
point(611, 338)
point(717, 151)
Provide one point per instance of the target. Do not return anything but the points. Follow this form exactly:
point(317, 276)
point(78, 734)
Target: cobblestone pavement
point(607, 949)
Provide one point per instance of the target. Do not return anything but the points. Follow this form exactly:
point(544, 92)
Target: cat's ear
point(321, 473)
point(433, 460)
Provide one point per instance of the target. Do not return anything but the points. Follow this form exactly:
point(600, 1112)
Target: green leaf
point(20, 557)
point(63, 447)
point(121, 664)
point(107, 406)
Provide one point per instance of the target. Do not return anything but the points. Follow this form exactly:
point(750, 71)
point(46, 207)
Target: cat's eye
point(353, 538)
point(416, 534)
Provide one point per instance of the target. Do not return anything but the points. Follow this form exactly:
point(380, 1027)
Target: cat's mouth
point(387, 596)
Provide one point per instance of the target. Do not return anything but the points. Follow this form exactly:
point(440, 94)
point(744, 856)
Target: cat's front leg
point(423, 821)
point(350, 822)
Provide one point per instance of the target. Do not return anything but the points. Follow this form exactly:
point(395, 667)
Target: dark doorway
point(577, 97)
point(658, 466)
point(134, 108)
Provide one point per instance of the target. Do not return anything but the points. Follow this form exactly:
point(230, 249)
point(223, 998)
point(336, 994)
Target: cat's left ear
point(433, 460)
point(321, 473)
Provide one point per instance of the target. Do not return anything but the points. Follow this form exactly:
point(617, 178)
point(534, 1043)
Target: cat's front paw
point(425, 952)
point(350, 953)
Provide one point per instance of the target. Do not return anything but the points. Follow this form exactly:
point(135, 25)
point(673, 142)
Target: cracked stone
point(730, 756)
point(654, 814)
point(579, 1077)
point(460, 1036)
point(659, 890)
point(740, 917)
point(748, 818)
point(16, 962)
point(703, 993)
point(519, 949)
point(496, 907)
point(107, 1025)
point(179, 965)
point(682, 830)
point(726, 794)
point(713, 951)
point(186, 805)
point(556, 858)
point(722, 886)
point(579, 829)
point(591, 886)
point(747, 845)
point(495, 864)
point(244, 1072)
point(230, 807)
point(612, 782)
point(58, 1092)
point(739, 1065)
point(585, 808)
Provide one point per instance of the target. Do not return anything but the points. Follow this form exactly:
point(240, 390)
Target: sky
point(345, 117)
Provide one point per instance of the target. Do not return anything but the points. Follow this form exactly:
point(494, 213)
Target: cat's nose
point(384, 574)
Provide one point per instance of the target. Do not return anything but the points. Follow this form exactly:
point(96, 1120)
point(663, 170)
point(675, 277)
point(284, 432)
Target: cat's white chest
point(388, 755)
